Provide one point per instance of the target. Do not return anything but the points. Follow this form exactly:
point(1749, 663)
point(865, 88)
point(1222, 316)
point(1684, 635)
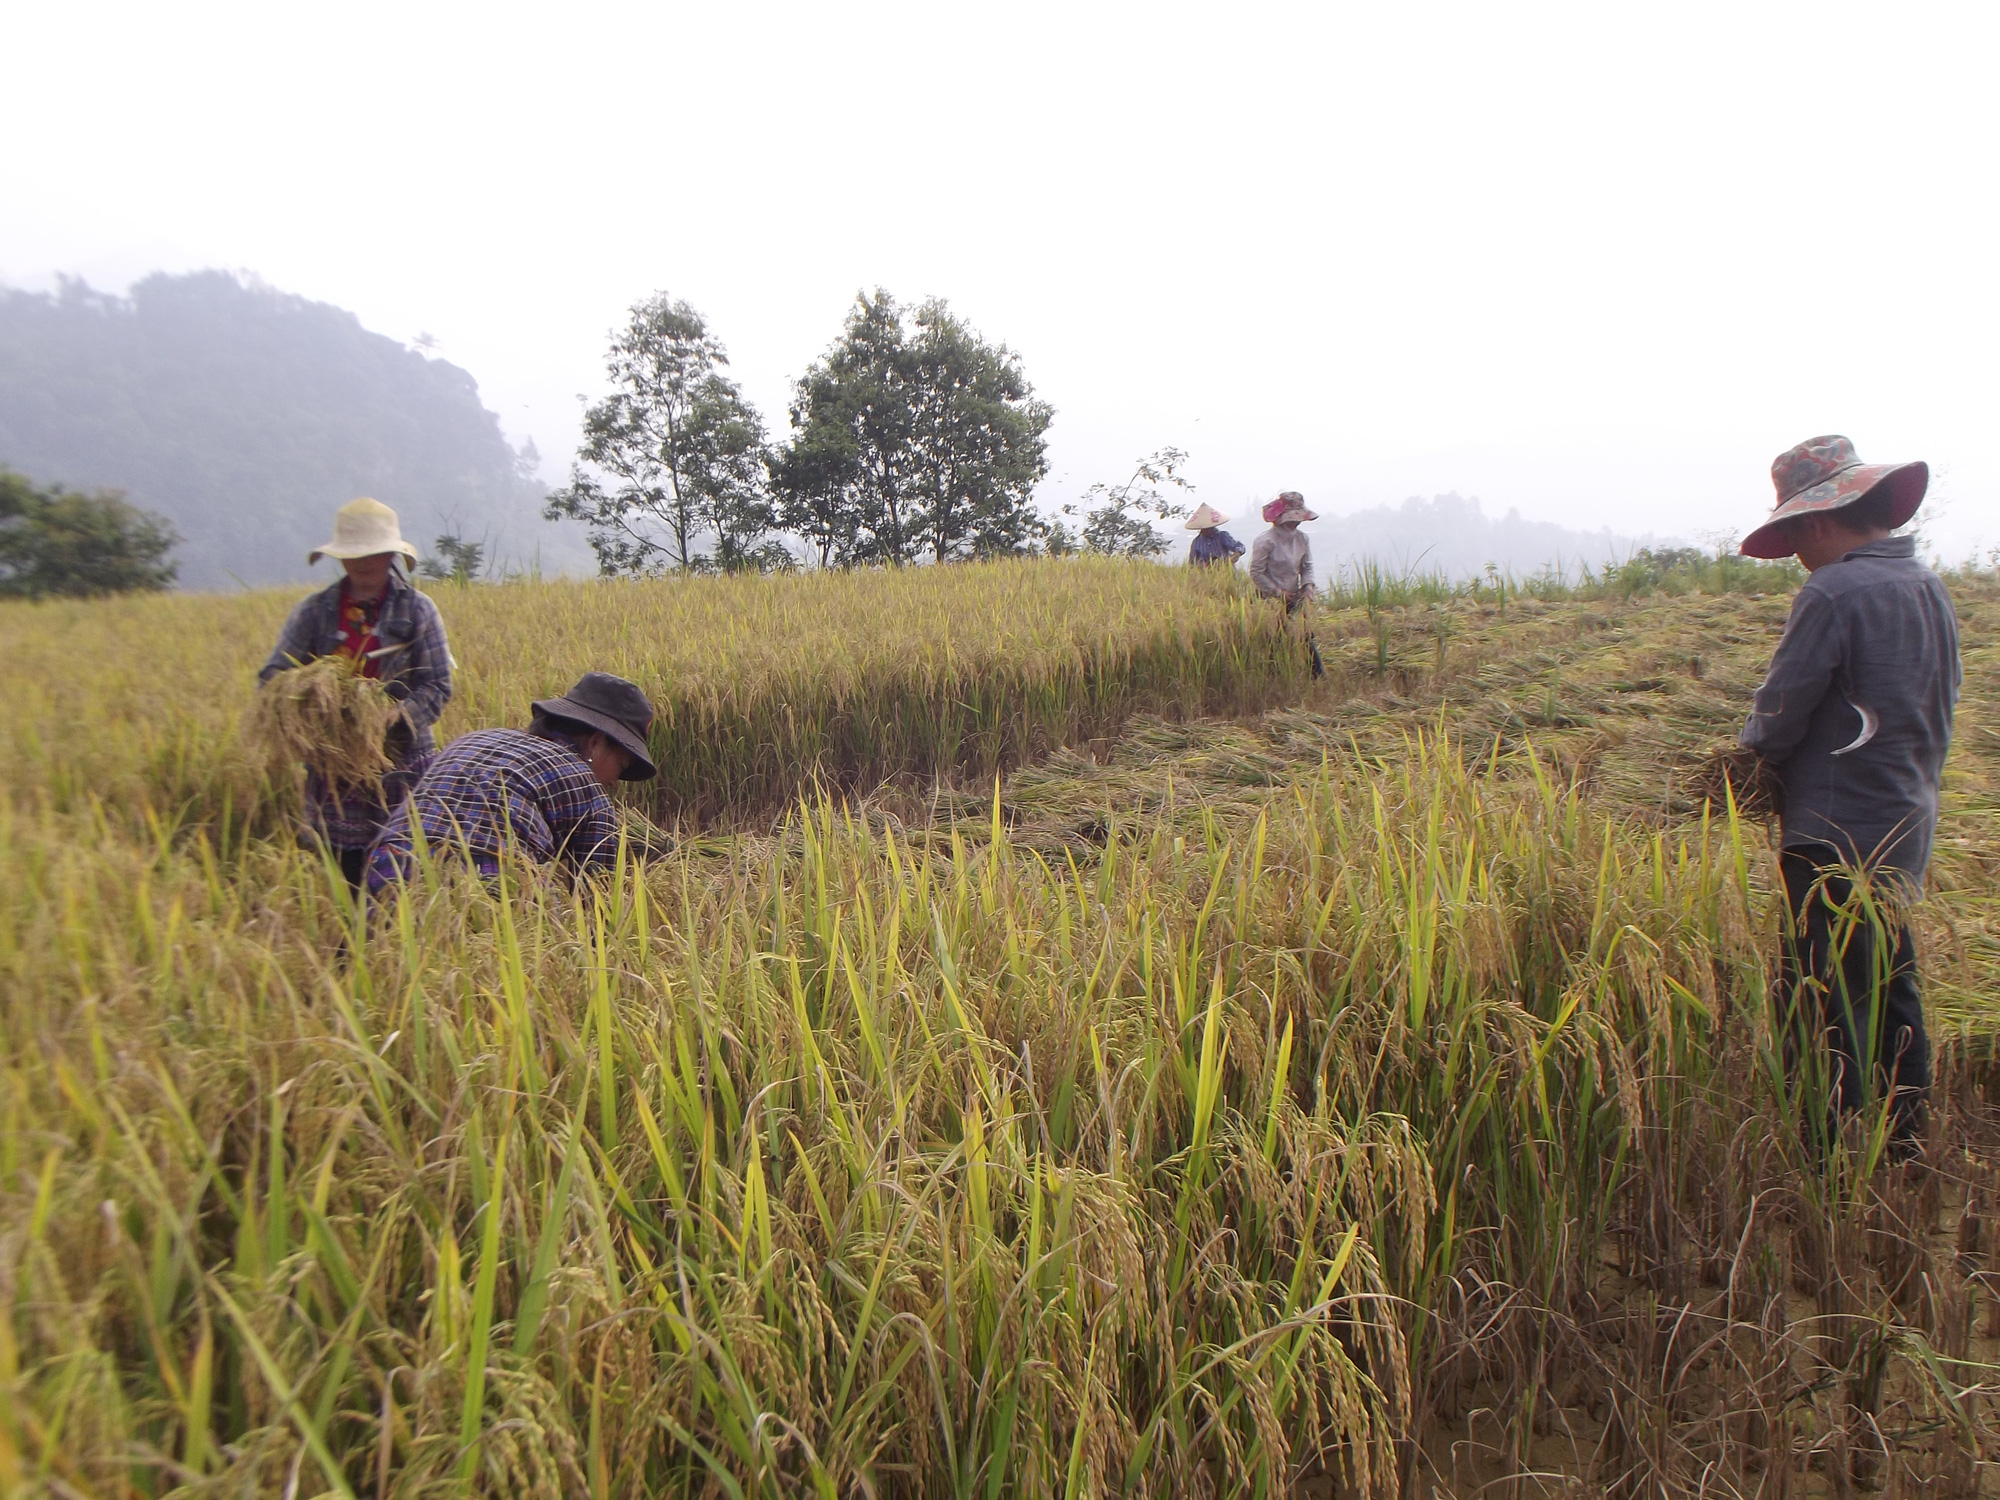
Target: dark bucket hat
point(614, 706)
point(1823, 474)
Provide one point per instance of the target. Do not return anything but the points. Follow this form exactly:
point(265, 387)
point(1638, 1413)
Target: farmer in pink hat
point(1855, 719)
point(1281, 559)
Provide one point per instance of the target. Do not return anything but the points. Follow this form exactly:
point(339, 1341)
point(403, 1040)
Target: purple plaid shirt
point(1219, 548)
point(499, 788)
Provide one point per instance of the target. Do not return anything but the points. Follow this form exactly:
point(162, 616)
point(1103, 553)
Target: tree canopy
point(1119, 521)
point(672, 456)
point(912, 437)
point(55, 541)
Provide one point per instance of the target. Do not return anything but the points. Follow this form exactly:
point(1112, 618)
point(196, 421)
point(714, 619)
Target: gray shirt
point(1856, 710)
point(1281, 562)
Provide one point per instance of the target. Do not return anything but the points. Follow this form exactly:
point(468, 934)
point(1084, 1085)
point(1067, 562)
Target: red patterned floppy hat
point(1824, 474)
point(1291, 505)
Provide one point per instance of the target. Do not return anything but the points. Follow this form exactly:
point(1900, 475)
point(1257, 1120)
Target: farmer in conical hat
point(1281, 560)
point(370, 613)
point(1211, 544)
point(1855, 719)
point(538, 792)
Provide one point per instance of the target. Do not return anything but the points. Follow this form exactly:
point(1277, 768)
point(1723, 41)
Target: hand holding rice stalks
point(331, 717)
point(1735, 771)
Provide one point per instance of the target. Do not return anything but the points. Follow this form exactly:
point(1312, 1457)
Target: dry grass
point(1735, 777)
point(327, 716)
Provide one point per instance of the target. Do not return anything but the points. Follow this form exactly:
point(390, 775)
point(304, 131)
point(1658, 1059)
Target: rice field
point(765, 687)
point(1360, 1088)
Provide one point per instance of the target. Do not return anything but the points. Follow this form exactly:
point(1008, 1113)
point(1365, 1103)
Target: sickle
point(1869, 724)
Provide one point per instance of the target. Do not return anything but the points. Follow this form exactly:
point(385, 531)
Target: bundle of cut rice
point(1743, 774)
point(328, 715)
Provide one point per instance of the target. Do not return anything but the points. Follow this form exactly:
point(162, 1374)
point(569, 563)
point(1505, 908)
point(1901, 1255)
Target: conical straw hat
point(362, 528)
point(1204, 517)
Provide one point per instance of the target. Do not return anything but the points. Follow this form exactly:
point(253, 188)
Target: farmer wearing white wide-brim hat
point(1211, 544)
point(1855, 719)
point(1281, 561)
point(373, 614)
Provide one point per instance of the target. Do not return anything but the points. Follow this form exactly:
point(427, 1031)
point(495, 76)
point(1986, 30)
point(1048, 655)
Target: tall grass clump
point(1367, 583)
point(855, 1163)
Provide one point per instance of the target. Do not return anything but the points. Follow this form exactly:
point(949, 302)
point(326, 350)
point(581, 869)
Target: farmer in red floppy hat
point(1281, 562)
point(1855, 719)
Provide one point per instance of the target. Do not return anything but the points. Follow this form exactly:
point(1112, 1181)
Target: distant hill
point(247, 415)
point(1454, 536)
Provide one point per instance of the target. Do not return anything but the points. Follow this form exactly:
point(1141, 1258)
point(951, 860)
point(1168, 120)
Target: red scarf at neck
point(357, 628)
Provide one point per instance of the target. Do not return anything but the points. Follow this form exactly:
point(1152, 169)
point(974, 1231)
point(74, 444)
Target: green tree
point(58, 541)
point(454, 559)
point(842, 481)
point(813, 482)
point(672, 456)
point(977, 440)
point(912, 439)
point(1120, 517)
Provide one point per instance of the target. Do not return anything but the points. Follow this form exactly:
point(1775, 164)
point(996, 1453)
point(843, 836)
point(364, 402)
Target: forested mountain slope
point(246, 415)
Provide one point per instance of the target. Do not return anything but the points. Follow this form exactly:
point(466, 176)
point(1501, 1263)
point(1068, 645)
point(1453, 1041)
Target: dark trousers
point(353, 864)
point(1848, 995)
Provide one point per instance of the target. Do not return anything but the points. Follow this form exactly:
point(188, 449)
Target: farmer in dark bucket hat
point(1855, 719)
point(539, 792)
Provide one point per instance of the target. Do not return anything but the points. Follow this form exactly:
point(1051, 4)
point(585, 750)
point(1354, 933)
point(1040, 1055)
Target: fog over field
point(245, 415)
point(1596, 267)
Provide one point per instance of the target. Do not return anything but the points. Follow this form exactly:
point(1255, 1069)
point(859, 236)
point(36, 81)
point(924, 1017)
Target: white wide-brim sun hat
point(363, 528)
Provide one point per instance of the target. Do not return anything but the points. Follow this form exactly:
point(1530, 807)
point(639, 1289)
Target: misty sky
point(1600, 262)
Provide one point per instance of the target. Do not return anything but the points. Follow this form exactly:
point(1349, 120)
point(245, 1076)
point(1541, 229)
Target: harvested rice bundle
point(1733, 770)
point(330, 716)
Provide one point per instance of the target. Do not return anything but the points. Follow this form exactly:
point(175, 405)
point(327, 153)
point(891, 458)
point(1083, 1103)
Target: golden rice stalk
point(1732, 769)
point(331, 717)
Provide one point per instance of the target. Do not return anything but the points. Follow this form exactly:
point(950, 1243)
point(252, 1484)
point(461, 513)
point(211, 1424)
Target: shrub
point(67, 542)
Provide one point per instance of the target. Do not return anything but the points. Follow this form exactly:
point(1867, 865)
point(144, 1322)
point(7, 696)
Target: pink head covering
point(1290, 506)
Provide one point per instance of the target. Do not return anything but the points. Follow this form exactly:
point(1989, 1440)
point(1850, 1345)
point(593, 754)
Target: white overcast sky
point(1599, 262)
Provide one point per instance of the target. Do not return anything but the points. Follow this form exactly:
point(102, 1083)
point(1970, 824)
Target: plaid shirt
point(496, 789)
point(415, 666)
point(415, 669)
